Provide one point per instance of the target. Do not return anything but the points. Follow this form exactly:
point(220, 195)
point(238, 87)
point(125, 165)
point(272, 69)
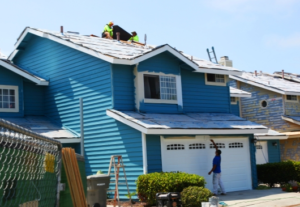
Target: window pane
point(220, 78)
point(12, 92)
point(5, 91)
point(12, 99)
point(211, 77)
point(5, 98)
point(168, 88)
point(151, 86)
point(291, 97)
point(232, 99)
point(0, 105)
point(5, 105)
point(0, 92)
point(12, 105)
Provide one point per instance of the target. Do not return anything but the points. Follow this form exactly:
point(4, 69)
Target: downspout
point(81, 127)
point(144, 148)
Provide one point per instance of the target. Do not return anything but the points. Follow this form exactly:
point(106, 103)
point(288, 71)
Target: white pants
point(217, 182)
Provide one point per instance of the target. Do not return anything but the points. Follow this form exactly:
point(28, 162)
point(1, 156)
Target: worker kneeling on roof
point(134, 37)
point(108, 31)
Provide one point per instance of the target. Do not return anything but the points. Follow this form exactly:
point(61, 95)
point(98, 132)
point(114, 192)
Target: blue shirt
point(217, 162)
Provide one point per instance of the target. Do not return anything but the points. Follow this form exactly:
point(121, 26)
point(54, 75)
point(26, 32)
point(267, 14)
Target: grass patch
point(262, 187)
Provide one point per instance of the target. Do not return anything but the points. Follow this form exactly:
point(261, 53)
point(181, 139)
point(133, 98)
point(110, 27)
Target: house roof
point(234, 92)
point(269, 82)
point(15, 69)
point(271, 134)
point(288, 76)
point(292, 119)
point(121, 52)
point(44, 126)
point(189, 123)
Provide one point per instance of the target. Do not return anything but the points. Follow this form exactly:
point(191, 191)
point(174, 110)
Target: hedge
point(152, 183)
point(279, 172)
point(193, 196)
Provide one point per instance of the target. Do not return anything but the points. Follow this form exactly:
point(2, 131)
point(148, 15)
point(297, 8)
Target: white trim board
point(263, 86)
point(290, 120)
point(121, 61)
point(23, 74)
point(183, 131)
point(241, 95)
point(69, 141)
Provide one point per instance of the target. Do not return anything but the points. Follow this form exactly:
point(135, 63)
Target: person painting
point(108, 31)
point(134, 37)
point(216, 169)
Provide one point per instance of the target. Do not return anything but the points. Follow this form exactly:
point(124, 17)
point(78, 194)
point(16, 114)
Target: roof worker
point(217, 172)
point(134, 37)
point(108, 31)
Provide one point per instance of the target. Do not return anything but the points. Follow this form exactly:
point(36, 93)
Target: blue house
point(22, 101)
point(155, 106)
point(275, 103)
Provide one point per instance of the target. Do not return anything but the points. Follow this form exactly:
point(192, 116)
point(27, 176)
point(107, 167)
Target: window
point(175, 147)
point(215, 79)
point(197, 146)
point(233, 100)
point(219, 145)
point(264, 104)
point(259, 147)
point(291, 98)
point(236, 145)
point(9, 98)
point(160, 87)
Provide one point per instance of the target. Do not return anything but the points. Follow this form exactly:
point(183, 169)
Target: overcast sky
point(255, 34)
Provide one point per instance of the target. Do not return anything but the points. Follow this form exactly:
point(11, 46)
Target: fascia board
point(270, 137)
point(70, 140)
point(184, 131)
point(290, 120)
point(23, 74)
point(256, 84)
point(241, 95)
point(216, 71)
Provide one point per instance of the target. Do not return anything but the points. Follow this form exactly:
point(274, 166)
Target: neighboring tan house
point(275, 103)
point(155, 106)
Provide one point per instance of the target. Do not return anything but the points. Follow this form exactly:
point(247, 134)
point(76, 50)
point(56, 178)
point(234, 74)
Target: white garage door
point(195, 156)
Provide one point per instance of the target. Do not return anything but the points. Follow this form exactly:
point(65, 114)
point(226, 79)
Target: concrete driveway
point(274, 197)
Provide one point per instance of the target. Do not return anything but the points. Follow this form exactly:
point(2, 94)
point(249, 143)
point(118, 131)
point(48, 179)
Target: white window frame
point(235, 100)
point(16, 88)
point(292, 101)
point(216, 83)
point(163, 101)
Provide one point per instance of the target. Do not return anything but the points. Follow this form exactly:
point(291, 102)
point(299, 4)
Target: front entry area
point(195, 154)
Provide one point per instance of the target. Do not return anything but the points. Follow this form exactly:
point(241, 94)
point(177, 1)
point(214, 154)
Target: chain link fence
point(30, 167)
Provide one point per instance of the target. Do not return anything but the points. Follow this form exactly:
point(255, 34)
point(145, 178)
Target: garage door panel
point(197, 156)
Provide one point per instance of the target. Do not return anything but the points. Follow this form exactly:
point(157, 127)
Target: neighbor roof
point(288, 76)
point(189, 123)
point(234, 92)
point(269, 82)
point(122, 52)
point(15, 69)
point(44, 126)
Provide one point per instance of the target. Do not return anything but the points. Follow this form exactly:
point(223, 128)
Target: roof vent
point(225, 61)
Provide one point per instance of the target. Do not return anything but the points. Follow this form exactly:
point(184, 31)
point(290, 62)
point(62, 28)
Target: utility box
point(170, 199)
point(97, 186)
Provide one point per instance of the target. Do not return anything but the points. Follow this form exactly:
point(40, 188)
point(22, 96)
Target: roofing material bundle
point(74, 178)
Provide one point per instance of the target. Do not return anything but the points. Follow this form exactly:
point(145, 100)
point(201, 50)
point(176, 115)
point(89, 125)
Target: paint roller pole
point(81, 127)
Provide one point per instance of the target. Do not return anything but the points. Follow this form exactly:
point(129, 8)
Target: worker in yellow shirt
point(134, 37)
point(108, 31)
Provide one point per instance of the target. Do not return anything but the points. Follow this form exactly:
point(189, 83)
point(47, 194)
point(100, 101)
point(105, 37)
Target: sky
point(262, 35)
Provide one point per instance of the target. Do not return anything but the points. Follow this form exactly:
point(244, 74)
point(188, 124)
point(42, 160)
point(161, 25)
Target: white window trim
point(16, 88)
point(292, 101)
point(216, 83)
point(235, 100)
point(163, 101)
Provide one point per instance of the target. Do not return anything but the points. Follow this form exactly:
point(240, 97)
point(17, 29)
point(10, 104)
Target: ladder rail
point(213, 56)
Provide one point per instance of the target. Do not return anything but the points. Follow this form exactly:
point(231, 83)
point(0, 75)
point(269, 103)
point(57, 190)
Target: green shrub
point(280, 172)
point(193, 196)
point(152, 183)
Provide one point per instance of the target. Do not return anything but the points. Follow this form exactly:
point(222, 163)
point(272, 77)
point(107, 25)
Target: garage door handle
point(100, 184)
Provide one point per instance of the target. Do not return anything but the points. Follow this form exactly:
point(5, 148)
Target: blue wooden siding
point(234, 109)
point(274, 151)
point(34, 99)
point(198, 97)
point(123, 87)
point(9, 78)
point(75, 75)
point(153, 153)
point(269, 116)
point(253, 162)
